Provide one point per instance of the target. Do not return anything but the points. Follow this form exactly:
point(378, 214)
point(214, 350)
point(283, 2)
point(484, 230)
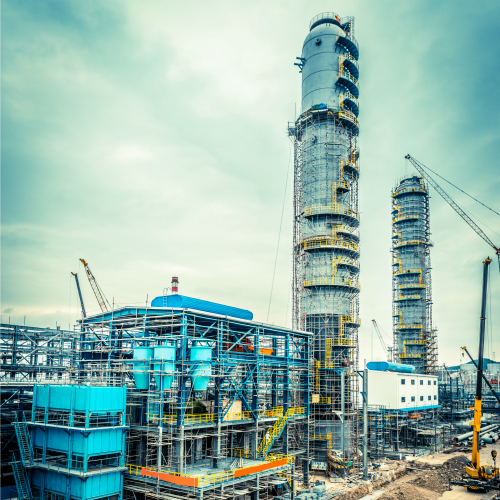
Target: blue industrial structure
point(215, 400)
point(326, 219)
point(77, 441)
point(415, 339)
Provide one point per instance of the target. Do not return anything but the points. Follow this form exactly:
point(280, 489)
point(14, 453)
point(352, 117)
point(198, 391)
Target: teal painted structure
point(78, 439)
point(383, 366)
point(202, 373)
point(141, 365)
point(167, 365)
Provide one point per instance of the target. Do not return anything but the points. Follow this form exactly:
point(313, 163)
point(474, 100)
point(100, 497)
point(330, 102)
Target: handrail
point(410, 190)
point(334, 208)
point(411, 326)
point(329, 241)
point(334, 281)
point(412, 285)
point(347, 114)
point(409, 242)
point(408, 271)
point(345, 74)
point(405, 217)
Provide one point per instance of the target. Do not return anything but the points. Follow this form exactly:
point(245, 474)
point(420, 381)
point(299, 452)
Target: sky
point(149, 138)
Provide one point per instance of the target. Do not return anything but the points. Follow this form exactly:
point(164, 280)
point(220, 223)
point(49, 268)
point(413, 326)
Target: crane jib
point(419, 167)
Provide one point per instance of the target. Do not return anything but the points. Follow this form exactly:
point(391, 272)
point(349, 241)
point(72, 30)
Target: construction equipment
point(480, 477)
point(420, 167)
point(84, 315)
point(387, 350)
point(488, 383)
point(99, 294)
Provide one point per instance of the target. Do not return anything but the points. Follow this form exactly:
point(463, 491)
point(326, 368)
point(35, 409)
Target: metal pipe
point(466, 435)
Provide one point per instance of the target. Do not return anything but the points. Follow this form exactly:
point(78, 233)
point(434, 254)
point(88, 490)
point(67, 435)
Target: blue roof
point(184, 302)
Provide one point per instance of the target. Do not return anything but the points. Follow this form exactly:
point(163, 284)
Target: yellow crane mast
point(99, 294)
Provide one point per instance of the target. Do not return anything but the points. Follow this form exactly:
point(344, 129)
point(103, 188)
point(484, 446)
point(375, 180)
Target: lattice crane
point(420, 167)
point(387, 350)
point(99, 294)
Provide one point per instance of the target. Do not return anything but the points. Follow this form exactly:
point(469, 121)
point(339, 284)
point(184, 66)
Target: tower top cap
point(323, 18)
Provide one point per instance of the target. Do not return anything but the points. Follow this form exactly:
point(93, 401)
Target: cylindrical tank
point(142, 355)
point(383, 366)
point(166, 353)
point(201, 374)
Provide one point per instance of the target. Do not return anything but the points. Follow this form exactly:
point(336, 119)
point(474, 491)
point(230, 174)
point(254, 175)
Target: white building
point(402, 391)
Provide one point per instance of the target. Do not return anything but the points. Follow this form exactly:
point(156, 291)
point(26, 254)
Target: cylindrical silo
point(326, 219)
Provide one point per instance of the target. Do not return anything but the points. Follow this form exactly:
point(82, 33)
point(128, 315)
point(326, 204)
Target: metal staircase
point(274, 433)
point(23, 486)
point(23, 438)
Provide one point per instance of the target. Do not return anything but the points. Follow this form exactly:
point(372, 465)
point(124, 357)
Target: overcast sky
point(149, 138)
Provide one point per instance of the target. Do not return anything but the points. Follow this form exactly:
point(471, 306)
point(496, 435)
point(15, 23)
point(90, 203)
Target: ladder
point(23, 438)
point(23, 486)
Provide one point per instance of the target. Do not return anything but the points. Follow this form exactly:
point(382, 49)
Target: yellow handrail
point(410, 190)
point(330, 208)
point(329, 241)
point(334, 280)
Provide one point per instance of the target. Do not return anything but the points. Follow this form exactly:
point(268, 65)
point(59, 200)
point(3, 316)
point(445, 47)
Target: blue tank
point(142, 355)
point(167, 366)
point(384, 366)
point(184, 302)
point(201, 374)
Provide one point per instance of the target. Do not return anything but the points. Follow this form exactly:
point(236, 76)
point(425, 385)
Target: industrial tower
point(415, 340)
point(326, 238)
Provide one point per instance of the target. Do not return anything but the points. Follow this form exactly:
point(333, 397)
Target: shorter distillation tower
point(415, 339)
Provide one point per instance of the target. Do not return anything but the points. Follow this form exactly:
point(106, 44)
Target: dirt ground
point(423, 478)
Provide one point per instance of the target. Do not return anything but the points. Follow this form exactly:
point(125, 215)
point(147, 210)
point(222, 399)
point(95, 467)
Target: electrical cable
point(279, 234)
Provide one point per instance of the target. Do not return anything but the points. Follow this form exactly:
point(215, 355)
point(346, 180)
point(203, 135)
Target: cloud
point(150, 139)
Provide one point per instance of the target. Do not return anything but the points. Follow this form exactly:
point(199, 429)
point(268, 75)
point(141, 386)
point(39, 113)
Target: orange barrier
point(169, 478)
point(258, 468)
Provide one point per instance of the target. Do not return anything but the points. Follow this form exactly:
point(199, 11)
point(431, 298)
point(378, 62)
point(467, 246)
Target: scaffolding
point(415, 337)
point(326, 239)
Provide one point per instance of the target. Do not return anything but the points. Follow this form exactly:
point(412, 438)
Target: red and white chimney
point(175, 284)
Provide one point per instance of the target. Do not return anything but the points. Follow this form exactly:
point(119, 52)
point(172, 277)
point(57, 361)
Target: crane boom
point(453, 205)
point(99, 295)
point(386, 350)
point(84, 314)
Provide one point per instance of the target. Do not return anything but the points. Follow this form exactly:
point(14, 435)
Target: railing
point(403, 355)
point(414, 342)
point(412, 285)
point(348, 261)
point(348, 162)
point(345, 74)
point(408, 271)
point(329, 241)
point(240, 452)
point(212, 417)
point(333, 281)
point(412, 326)
point(405, 217)
point(348, 116)
point(410, 190)
point(342, 228)
point(408, 297)
point(330, 208)
point(410, 242)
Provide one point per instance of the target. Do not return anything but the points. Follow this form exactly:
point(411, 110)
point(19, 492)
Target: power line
point(279, 234)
